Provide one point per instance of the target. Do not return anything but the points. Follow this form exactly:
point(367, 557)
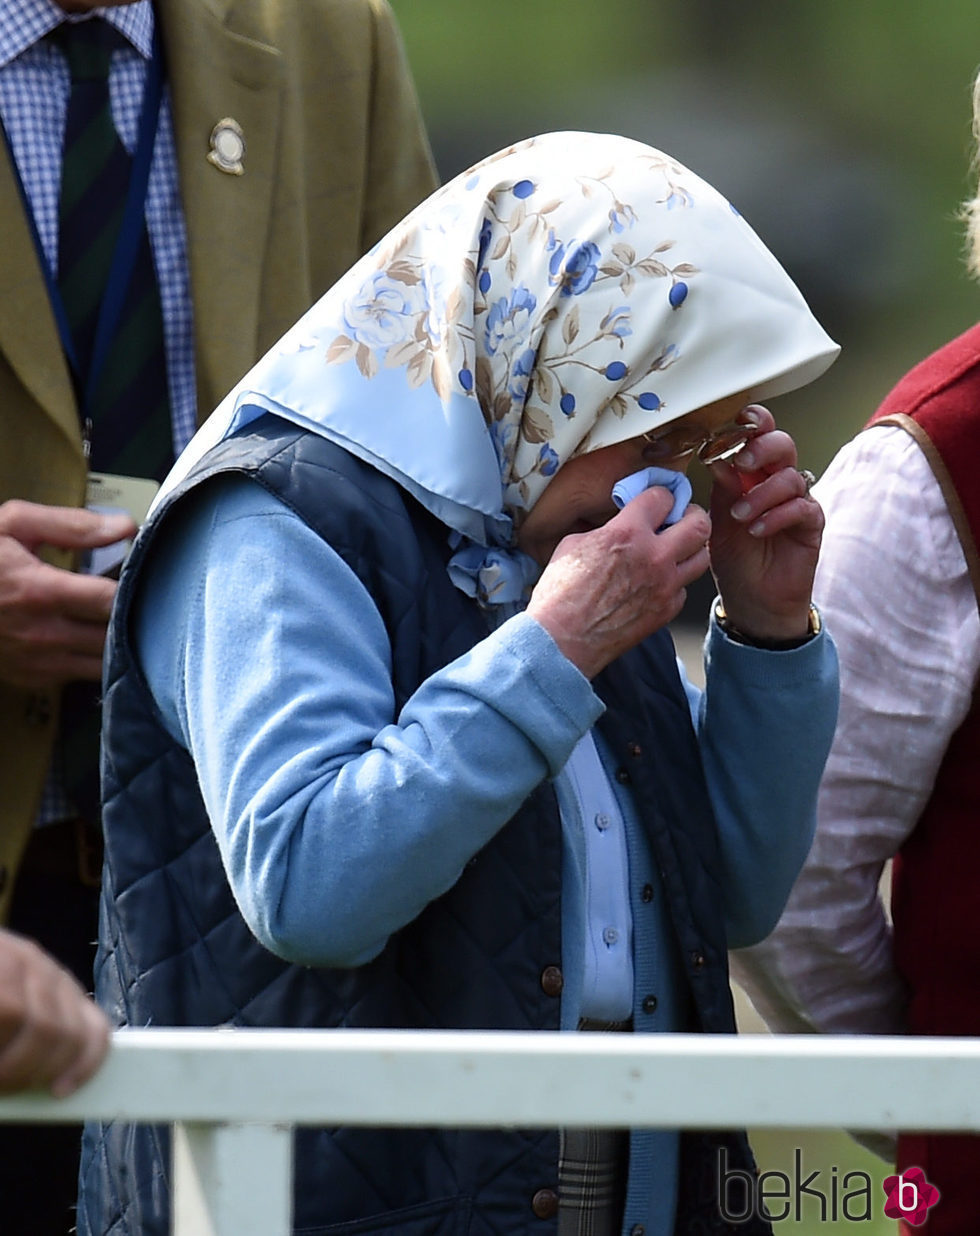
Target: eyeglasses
point(681, 441)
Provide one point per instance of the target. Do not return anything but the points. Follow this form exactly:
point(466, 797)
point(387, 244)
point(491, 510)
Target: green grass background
point(823, 1149)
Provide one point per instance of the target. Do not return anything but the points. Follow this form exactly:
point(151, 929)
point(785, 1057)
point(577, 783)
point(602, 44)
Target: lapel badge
point(227, 147)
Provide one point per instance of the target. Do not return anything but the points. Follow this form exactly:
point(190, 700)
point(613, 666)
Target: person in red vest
point(899, 585)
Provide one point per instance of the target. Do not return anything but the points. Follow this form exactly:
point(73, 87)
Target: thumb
point(651, 507)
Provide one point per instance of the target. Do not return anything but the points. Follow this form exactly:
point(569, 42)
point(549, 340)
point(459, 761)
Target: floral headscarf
point(565, 294)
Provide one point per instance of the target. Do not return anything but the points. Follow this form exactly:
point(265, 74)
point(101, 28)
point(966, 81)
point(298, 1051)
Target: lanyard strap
point(124, 255)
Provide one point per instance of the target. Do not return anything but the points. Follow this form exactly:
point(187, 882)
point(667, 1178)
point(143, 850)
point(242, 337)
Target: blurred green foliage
point(832, 1154)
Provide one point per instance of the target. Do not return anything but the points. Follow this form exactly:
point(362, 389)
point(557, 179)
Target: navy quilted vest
point(175, 951)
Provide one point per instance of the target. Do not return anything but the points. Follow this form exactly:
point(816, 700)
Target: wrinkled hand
point(51, 1034)
point(52, 622)
point(765, 536)
point(606, 590)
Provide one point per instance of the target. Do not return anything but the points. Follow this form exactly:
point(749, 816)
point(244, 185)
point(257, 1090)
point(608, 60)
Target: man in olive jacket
point(298, 144)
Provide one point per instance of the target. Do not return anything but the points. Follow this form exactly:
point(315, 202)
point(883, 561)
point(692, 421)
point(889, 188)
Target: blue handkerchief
point(627, 489)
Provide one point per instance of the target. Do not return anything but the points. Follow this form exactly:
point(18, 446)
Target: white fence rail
point(234, 1095)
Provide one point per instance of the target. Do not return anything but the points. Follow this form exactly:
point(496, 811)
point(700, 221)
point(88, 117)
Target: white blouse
point(895, 593)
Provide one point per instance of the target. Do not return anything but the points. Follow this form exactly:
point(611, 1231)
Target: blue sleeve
point(765, 722)
point(337, 818)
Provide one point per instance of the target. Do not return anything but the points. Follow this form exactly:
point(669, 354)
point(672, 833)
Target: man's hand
point(52, 622)
point(604, 591)
point(52, 1035)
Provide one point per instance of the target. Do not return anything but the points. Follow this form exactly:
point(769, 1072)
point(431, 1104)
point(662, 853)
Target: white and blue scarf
point(568, 293)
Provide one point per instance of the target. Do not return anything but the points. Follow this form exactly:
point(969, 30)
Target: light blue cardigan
point(298, 753)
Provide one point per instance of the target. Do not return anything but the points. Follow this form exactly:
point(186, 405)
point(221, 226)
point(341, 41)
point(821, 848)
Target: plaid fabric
point(34, 90)
point(592, 1171)
point(592, 1168)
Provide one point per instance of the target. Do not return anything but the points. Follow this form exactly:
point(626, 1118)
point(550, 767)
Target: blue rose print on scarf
point(530, 380)
point(617, 322)
point(384, 313)
point(621, 217)
point(548, 461)
point(503, 434)
point(526, 315)
point(678, 196)
point(509, 320)
point(574, 266)
point(520, 374)
point(483, 278)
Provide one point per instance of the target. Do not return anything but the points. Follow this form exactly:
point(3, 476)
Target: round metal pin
point(228, 147)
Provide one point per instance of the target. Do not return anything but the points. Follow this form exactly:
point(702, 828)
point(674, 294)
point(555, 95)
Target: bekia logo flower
point(909, 1196)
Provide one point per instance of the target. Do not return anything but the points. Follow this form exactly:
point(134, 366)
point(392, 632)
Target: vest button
point(649, 1004)
point(647, 893)
point(634, 750)
point(623, 776)
point(545, 1203)
point(698, 960)
point(638, 1230)
point(552, 981)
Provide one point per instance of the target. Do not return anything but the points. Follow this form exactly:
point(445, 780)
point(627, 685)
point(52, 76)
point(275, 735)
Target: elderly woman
point(395, 732)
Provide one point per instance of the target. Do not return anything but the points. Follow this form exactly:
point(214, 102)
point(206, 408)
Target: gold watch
point(814, 626)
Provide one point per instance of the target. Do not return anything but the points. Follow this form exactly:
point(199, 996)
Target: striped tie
point(129, 406)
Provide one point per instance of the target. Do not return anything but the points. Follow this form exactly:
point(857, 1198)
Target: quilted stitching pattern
point(174, 949)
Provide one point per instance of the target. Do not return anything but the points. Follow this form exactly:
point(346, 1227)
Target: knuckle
point(13, 507)
point(619, 540)
point(13, 512)
point(702, 523)
point(22, 591)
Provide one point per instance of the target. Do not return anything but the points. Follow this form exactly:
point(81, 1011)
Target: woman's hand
point(606, 590)
point(765, 538)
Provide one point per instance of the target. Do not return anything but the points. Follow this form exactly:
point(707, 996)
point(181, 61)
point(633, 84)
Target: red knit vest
point(935, 898)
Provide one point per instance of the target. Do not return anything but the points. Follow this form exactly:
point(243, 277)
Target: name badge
point(107, 494)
